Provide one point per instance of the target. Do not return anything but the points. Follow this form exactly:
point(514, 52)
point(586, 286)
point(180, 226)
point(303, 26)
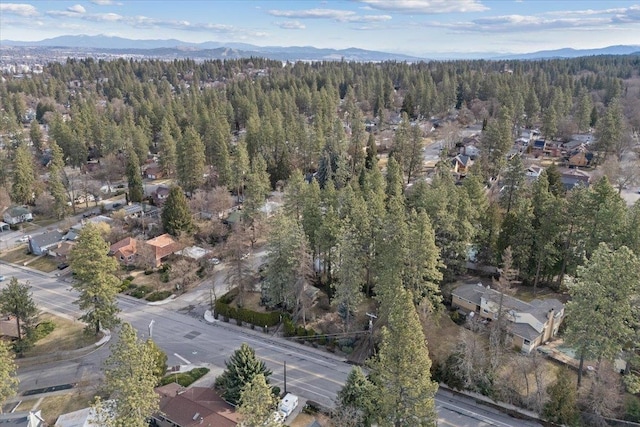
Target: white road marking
point(182, 358)
point(303, 356)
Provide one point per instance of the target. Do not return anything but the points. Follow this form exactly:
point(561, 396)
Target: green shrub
point(148, 272)
point(632, 409)
point(301, 331)
point(165, 268)
point(43, 329)
point(126, 284)
point(256, 318)
point(289, 328)
point(140, 291)
point(164, 276)
point(185, 379)
point(158, 296)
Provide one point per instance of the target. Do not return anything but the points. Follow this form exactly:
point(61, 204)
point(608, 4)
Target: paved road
point(188, 339)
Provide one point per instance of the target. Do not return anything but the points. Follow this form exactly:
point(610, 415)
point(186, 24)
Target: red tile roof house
point(195, 406)
point(125, 250)
point(162, 246)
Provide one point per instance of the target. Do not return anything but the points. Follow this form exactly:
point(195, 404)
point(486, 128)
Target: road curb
point(64, 355)
point(171, 298)
point(29, 269)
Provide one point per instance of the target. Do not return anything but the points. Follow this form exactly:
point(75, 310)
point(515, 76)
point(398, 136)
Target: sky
point(416, 27)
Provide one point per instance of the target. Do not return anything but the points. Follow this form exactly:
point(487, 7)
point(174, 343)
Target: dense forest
point(344, 141)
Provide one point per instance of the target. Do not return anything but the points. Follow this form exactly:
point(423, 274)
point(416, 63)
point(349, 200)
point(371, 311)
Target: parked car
point(2, 278)
point(62, 266)
point(214, 261)
point(116, 205)
point(24, 239)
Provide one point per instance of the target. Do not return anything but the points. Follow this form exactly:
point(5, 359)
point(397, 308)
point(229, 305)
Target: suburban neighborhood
point(255, 242)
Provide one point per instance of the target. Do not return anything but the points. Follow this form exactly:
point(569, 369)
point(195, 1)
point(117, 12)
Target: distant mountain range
point(218, 50)
point(575, 53)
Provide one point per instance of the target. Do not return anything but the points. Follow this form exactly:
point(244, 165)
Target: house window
point(121, 258)
point(484, 310)
point(527, 342)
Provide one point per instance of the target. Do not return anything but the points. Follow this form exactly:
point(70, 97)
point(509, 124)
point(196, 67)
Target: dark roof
point(46, 239)
point(195, 406)
point(538, 308)
point(539, 143)
point(16, 211)
point(462, 159)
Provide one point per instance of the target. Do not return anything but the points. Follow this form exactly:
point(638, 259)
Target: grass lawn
point(68, 335)
point(303, 420)
point(44, 263)
point(17, 255)
point(44, 222)
point(54, 406)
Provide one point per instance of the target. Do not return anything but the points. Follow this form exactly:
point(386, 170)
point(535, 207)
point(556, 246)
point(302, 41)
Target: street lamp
point(151, 328)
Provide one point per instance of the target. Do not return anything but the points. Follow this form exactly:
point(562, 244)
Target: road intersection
point(187, 338)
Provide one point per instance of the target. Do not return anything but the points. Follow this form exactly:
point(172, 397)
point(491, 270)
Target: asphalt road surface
point(188, 339)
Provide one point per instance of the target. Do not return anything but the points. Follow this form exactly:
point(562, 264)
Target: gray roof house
point(530, 323)
point(38, 245)
point(17, 214)
point(22, 419)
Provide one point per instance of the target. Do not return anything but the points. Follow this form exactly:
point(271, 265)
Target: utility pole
point(285, 377)
point(151, 328)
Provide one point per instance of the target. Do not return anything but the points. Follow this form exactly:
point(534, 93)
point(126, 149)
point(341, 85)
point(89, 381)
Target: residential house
point(80, 418)
point(161, 247)
point(539, 145)
point(40, 245)
point(125, 250)
point(533, 172)
point(22, 419)
point(471, 150)
point(530, 323)
point(153, 172)
point(160, 195)
point(580, 158)
point(195, 406)
point(62, 250)
point(134, 210)
point(16, 215)
point(573, 178)
point(461, 164)
point(93, 220)
point(573, 145)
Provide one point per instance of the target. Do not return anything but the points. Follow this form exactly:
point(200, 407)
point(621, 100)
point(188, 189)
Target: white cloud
point(426, 7)
point(335, 14)
point(291, 25)
point(102, 2)
point(18, 9)
point(610, 19)
point(103, 17)
point(76, 9)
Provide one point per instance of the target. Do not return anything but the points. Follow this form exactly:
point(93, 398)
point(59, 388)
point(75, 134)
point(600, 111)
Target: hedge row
point(185, 379)
point(222, 308)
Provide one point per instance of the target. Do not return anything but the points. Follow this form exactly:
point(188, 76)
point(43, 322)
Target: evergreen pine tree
point(176, 217)
point(241, 369)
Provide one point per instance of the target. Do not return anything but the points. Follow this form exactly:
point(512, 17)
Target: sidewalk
point(64, 355)
point(273, 337)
